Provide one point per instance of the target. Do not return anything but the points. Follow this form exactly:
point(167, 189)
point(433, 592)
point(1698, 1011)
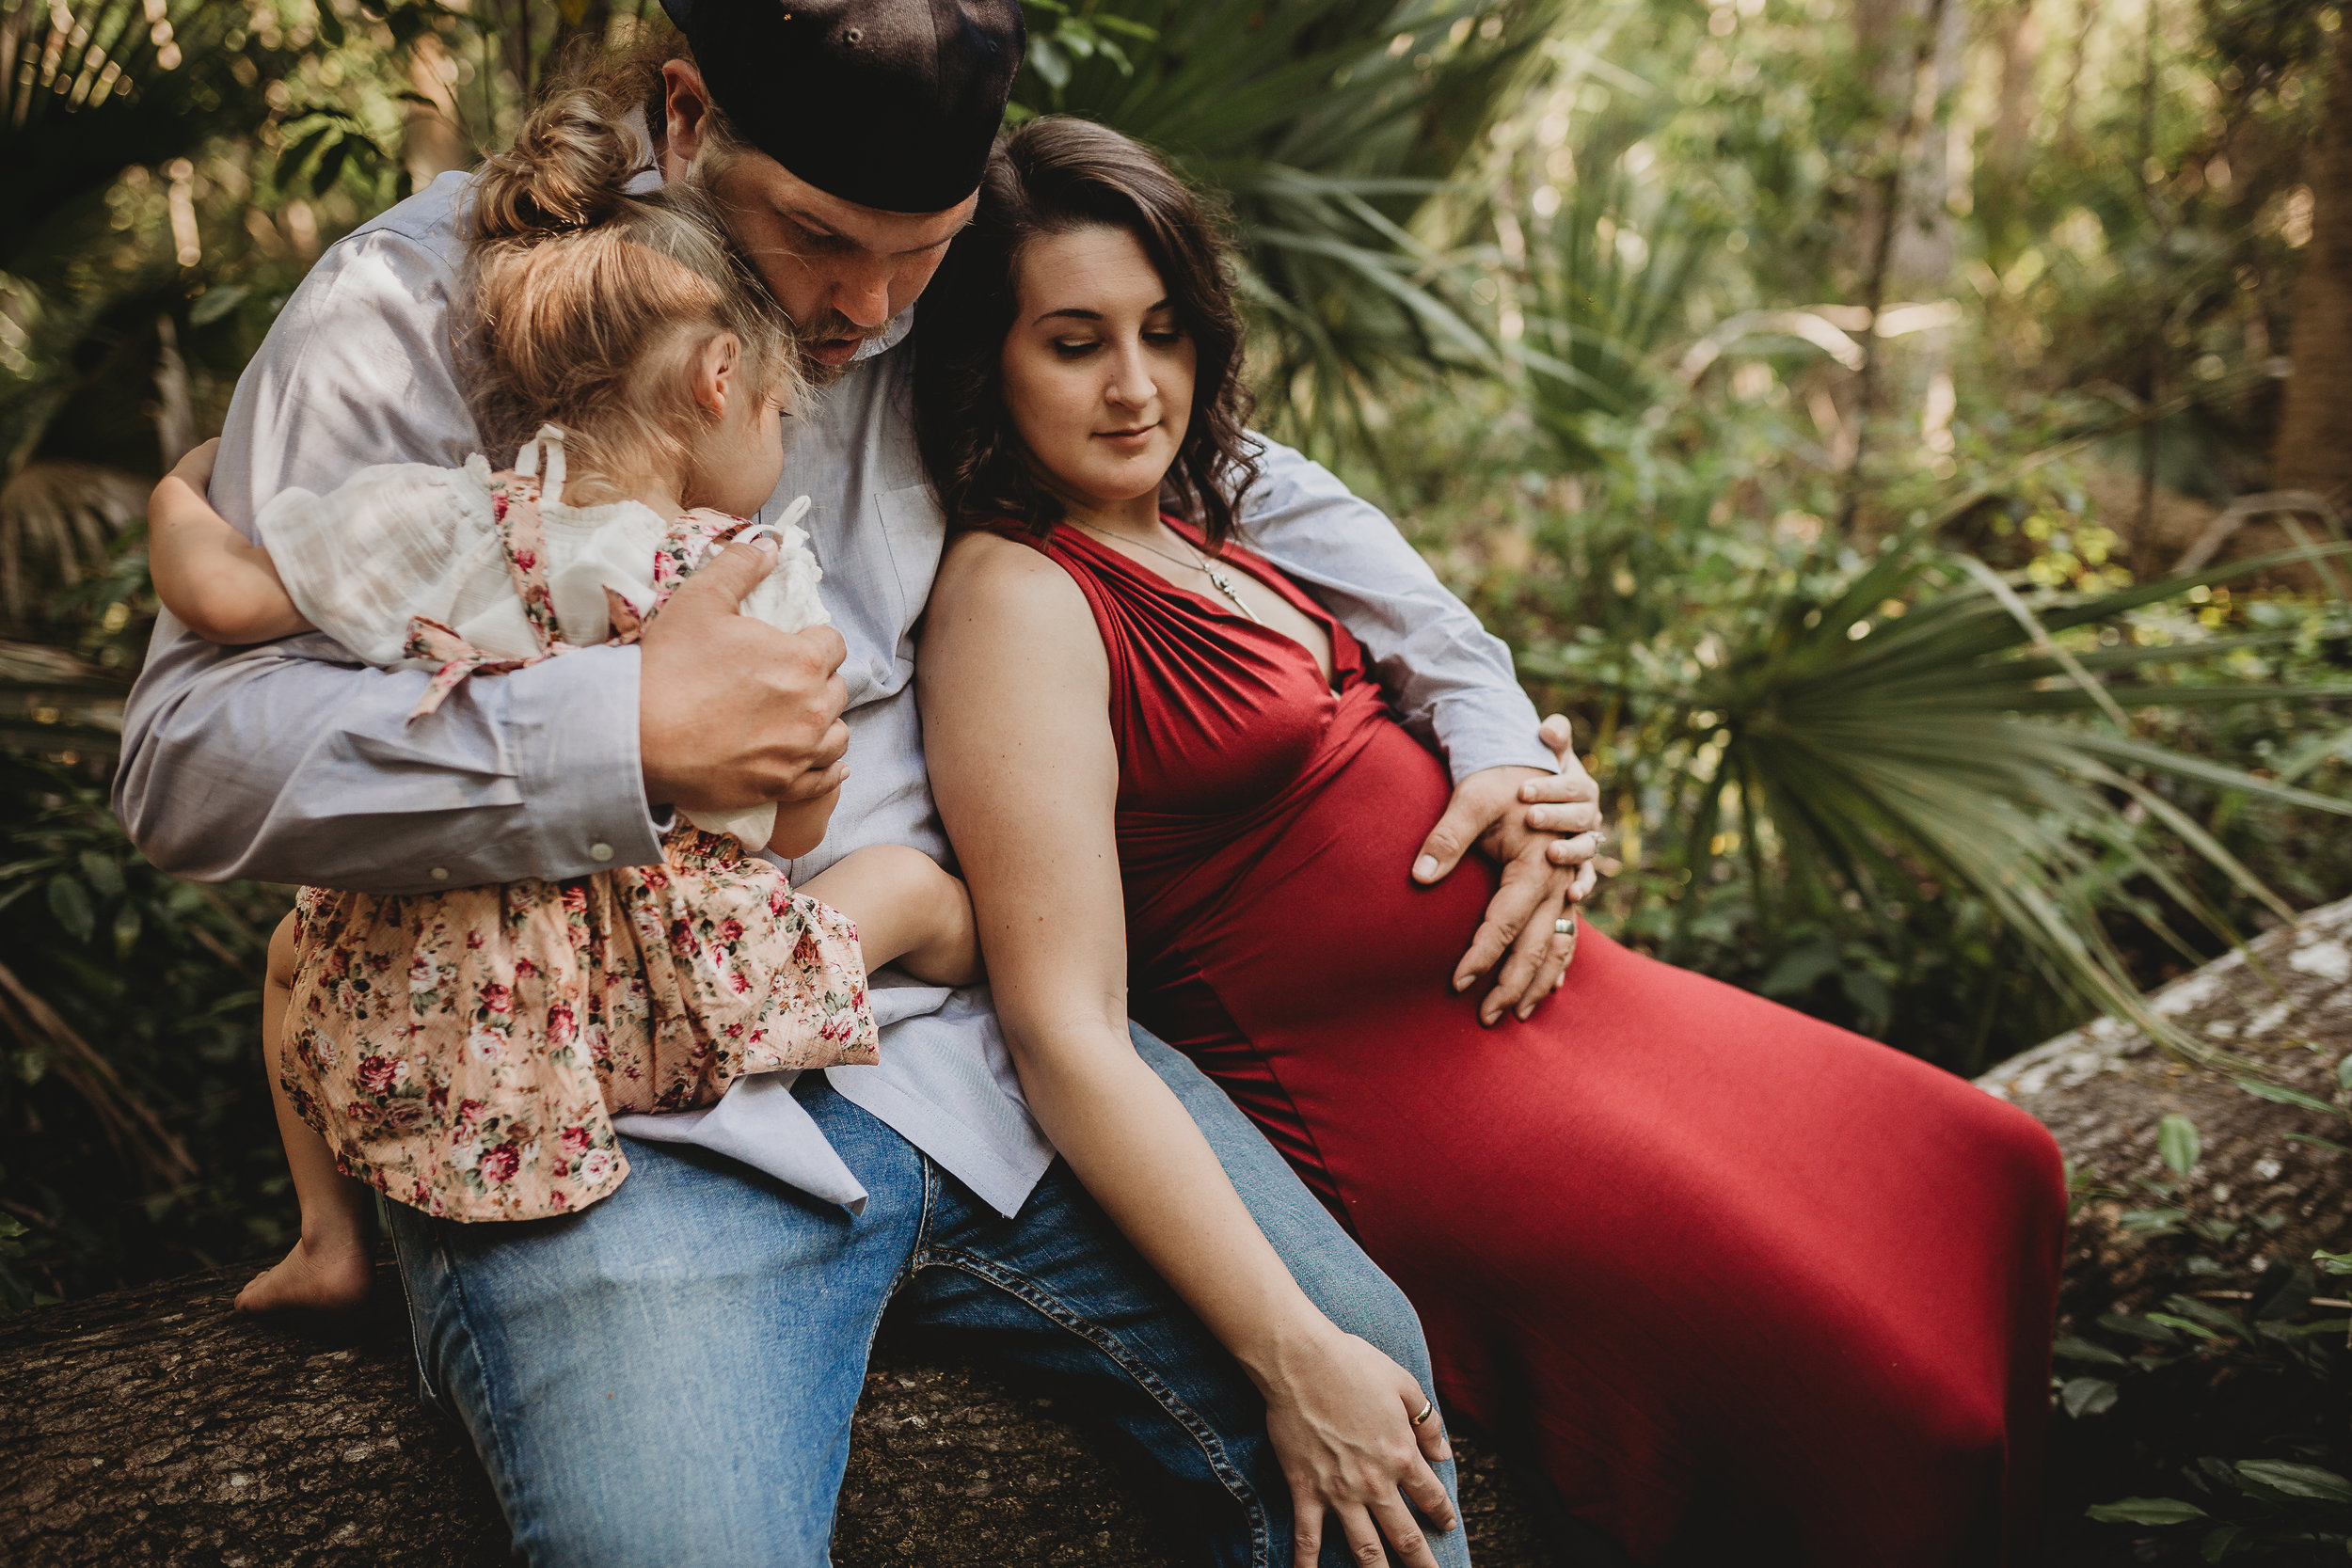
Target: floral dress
point(464, 1052)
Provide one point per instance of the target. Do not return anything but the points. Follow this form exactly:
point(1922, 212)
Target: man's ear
point(685, 107)
point(719, 372)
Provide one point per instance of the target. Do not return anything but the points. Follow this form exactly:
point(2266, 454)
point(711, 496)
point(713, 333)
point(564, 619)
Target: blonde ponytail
point(586, 305)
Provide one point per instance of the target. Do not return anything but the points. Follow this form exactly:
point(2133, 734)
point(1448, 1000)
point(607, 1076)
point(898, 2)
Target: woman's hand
point(1543, 830)
point(1341, 1417)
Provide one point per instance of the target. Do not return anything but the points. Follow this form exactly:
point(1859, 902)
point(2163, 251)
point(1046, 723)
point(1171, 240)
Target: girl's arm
point(219, 585)
point(907, 911)
point(1014, 691)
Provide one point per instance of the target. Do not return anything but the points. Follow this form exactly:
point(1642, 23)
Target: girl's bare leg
point(330, 1267)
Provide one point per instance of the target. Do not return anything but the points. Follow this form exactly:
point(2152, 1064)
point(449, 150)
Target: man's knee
point(1369, 1306)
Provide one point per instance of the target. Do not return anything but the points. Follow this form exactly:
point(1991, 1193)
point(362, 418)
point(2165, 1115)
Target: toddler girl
point(464, 1050)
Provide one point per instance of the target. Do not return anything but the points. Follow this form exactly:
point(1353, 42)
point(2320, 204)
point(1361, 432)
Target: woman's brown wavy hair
point(1051, 175)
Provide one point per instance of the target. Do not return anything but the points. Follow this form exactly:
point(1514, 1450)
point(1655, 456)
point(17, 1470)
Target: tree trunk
point(152, 1425)
point(2286, 1004)
point(2314, 450)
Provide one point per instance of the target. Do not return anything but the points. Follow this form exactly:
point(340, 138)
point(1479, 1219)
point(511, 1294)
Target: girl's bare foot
point(318, 1275)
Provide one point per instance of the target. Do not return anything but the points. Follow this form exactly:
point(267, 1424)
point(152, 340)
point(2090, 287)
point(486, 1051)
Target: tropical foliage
point(1860, 415)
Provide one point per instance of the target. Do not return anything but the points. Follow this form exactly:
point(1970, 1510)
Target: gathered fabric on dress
point(1745, 1287)
point(464, 1052)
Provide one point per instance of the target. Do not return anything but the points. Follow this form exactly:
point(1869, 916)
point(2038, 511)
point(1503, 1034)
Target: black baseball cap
point(889, 103)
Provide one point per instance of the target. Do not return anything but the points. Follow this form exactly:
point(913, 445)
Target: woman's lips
point(1127, 437)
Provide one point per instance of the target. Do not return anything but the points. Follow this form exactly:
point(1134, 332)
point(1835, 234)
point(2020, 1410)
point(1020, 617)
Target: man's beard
point(831, 328)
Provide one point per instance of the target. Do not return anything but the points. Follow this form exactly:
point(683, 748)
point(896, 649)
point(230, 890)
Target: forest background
point(1906, 435)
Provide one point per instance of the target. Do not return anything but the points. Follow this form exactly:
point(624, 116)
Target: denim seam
point(873, 1328)
point(508, 1461)
point(913, 1263)
point(425, 1389)
point(1050, 1308)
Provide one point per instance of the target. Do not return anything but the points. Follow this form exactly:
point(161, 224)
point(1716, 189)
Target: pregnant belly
point(1327, 923)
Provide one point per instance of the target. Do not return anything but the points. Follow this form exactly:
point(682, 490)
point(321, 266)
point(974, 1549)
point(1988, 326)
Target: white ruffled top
point(406, 539)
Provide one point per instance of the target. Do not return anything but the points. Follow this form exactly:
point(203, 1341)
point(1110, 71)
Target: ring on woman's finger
point(1428, 1408)
point(1564, 927)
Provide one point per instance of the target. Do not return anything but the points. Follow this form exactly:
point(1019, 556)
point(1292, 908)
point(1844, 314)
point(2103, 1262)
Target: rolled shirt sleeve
point(295, 763)
point(1450, 680)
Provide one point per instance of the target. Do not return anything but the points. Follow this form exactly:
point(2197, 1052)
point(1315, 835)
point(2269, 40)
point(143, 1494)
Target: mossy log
point(2259, 1191)
point(155, 1426)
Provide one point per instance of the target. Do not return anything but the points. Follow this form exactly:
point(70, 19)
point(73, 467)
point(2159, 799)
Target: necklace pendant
point(1224, 585)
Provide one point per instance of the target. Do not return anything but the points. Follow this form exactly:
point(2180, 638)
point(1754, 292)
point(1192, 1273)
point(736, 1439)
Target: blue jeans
point(667, 1378)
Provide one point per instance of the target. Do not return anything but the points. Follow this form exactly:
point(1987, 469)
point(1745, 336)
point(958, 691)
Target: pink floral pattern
point(465, 1052)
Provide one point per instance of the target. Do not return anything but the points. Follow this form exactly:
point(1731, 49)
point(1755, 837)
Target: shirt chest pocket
point(917, 532)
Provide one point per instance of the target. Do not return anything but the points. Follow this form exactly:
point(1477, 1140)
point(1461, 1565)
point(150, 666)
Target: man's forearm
point(286, 768)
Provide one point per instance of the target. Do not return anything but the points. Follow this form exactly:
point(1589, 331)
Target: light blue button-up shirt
point(292, 763)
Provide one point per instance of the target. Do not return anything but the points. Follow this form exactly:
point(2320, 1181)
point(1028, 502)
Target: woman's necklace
point(1199, 563)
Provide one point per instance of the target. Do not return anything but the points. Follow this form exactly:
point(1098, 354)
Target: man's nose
point(863, 296)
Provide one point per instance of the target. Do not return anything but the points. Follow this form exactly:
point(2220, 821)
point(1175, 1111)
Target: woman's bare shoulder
point(987, 577)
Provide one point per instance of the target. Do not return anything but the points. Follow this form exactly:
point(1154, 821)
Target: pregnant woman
point(1746, 1286)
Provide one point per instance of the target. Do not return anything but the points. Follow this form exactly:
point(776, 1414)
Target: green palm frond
point(90, 87)
point(59, 523)
point(1928, 724)
point(1607, 280)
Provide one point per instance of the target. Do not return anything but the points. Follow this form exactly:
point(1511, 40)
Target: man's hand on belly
point(1543, 830)
point(730, 711)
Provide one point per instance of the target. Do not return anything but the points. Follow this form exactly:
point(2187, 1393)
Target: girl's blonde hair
point(588, 304)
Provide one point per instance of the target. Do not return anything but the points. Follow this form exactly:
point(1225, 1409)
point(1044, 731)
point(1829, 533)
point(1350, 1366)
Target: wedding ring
point(1565, 926)
point(1428, 1408)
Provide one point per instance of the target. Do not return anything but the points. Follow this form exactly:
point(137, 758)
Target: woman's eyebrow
point(1074, 312)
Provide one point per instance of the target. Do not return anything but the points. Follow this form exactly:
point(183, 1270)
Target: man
point(668, 1377)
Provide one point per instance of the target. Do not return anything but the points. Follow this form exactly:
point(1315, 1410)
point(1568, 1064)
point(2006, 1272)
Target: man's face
point(842, 272)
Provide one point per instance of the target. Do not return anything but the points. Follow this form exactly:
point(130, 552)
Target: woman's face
point(1097, 371)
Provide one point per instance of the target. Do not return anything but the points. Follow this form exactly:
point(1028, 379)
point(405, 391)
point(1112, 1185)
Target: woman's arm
point(1014, 689)
point(221, 587)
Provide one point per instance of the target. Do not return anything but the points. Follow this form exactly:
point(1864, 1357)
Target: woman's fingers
point(1428, 1494)
point(1430, 1436)
point(1306, 1529)
point(1516, 989)
point(1555, 966)
point(1403, 1531)
point(1363, 1540)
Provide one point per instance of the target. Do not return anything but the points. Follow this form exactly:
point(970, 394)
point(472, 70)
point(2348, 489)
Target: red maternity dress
point(1742, 1282)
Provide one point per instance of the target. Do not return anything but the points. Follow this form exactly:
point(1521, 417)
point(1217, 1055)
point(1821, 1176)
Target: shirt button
point(440, 873)
point(599, 851)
